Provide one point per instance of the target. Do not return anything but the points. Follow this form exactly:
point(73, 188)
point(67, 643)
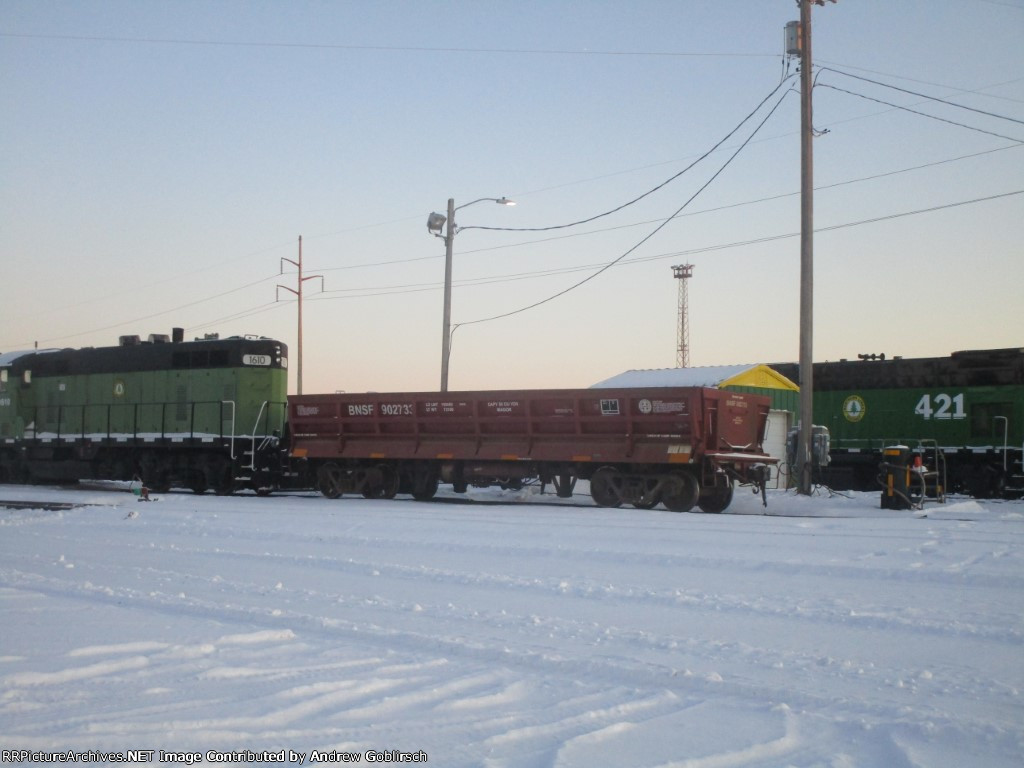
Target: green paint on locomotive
point(969, 405)
point(971, 399)
point(191, 390)
point(11, 423)
point(198, 411)
point(950, 416)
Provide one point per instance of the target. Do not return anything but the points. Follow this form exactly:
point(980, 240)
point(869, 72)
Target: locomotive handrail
point(232, 404)
point(64, 416)
point(1006, 437)
point(940, 468)
point(255, 429)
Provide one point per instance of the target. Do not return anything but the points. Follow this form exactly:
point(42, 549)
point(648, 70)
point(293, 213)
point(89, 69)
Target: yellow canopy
point(760, 376)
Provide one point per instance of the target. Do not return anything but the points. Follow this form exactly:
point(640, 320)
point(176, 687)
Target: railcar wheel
point(197, 481)
point(647, 502)
point(681, 493)
point(425, 487)
point(717, 500)
point(602, 487)
point(649, 493)
point(330, 480)
point(381, 483)
point(222, 482)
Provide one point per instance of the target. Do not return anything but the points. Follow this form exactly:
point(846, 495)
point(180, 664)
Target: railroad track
point(49, 506)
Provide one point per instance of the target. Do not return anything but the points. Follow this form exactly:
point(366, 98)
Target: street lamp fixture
point(435, 223)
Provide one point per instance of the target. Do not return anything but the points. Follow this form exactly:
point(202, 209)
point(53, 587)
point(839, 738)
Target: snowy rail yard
point(818, 632)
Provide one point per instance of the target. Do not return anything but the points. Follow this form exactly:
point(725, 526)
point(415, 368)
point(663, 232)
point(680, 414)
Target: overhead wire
point(924, 96)
point(1004, 5)
point(653, 232)
point(651, 191)
point(756, 201)
point(392, 290)
point(263, 308)
point(400, 261)
point(920, 113)
point(975, 91)
point(514, 277)
point(357, 293)
point(365, 47)
point(122, 323)
point(667, 162)
point(240, 315)
point(178, 275)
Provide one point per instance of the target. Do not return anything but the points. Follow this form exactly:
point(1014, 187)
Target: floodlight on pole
point(437, 222)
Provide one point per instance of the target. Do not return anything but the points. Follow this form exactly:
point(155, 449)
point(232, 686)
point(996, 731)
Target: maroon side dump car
point(682, 447)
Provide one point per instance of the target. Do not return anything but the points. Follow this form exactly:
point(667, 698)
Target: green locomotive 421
point(201, 414)
point(963, 413)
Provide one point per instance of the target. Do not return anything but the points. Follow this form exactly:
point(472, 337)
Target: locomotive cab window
point(203, 358)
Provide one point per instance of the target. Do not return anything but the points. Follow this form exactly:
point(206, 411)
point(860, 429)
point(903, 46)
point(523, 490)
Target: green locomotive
point(201, 414)
point(963, 413)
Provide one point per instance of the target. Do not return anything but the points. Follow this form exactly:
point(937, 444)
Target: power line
point(518, 276)
point(922, 96)
point(391, 290)
point(140, 287)
point(659, 186)
point(975, 91)
point(1004, 4)
point(728, 206)
point(260, 309)
point(649, 235)
point(923, 114)
point(240, 315)
point(123, 323)
point(384, 48)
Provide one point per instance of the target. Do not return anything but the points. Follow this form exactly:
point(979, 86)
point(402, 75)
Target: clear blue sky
point(161, 158)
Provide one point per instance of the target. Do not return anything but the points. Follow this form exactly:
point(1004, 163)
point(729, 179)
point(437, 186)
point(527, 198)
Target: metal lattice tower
point(683, 272)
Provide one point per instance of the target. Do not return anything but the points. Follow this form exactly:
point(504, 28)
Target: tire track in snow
point(503, 656)
point(616, 669)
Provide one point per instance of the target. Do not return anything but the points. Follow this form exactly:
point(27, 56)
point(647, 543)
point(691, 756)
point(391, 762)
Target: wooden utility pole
point(804, 465)
point(804, 447)
point(298, 293)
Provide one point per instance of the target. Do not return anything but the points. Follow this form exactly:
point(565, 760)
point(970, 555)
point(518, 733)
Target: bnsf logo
point(361, 410)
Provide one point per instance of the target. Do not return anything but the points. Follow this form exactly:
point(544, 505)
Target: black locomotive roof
point(150, 356)
point(968, 368)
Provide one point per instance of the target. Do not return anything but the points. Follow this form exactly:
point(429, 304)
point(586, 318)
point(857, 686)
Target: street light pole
point(435, 222)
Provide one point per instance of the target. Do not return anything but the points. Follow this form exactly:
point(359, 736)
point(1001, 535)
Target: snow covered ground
point(827, 632)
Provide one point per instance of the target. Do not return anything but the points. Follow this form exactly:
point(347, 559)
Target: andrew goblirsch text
point(165, 757)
